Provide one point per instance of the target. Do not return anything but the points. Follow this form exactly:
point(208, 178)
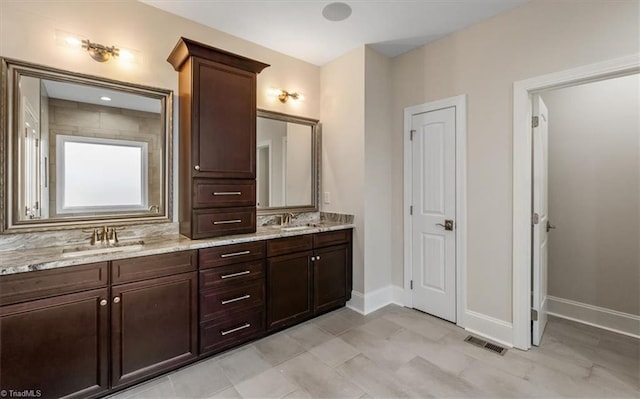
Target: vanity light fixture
point(98, 52)
point(284, 95)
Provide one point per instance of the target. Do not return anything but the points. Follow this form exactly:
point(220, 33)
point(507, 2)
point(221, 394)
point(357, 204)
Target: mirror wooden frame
point(316, 155)
point(11, 69)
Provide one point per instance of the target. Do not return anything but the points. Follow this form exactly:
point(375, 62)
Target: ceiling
point(297, 27)
point(92, 95)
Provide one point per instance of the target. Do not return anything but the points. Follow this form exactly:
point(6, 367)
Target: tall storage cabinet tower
point(217, 151)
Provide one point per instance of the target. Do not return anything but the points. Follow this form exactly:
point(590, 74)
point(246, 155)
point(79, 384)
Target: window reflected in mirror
point(119, 186)
point(286, 162)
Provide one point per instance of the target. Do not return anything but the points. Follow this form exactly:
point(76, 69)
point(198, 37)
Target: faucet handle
point(113, 235)
point(94, 237)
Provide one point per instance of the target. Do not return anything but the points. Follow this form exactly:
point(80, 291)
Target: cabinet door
point(153, 326)
point(56, 347)
point(330, 276)
point(224, 121)
point(289, 284)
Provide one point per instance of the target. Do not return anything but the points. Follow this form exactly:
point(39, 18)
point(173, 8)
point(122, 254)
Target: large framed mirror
point(81, 150)
point(287, 163)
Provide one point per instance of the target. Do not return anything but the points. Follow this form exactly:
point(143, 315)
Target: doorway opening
point(523, 184)
point(264, 165)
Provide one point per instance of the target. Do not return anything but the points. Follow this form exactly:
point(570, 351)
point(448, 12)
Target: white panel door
point(433, 240)
point(541, 209)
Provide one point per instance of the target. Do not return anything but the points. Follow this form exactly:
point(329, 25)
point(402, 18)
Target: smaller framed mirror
point(81, 149)
point(287, 163)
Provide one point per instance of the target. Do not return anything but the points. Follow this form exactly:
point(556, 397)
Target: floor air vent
point(486, 345)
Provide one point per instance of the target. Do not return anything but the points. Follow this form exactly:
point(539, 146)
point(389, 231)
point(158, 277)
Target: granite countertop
point(12, 262)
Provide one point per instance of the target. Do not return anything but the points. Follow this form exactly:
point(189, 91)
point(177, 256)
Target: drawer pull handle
point(227, 193)
point(240, 298)
point(236, 274)
point(228, 221)
point(235, 254)
point(246, 325)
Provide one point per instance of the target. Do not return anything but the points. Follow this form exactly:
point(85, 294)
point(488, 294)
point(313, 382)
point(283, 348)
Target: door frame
point(460, 104)
point(522, 183)
point(267, 144)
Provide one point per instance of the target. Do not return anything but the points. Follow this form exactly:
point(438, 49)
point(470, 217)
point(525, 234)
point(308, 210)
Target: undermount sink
point(294, 228)
point(97, 249)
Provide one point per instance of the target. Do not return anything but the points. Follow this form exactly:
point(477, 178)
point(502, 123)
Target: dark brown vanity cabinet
point(330, 276)
point(232, 295)
point(153, 315)
point(307, 275)
point(217, 94)
point(64, 331)
point(54, 332)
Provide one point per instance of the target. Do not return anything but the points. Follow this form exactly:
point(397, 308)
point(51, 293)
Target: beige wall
point(378, 178)
point(483, 61)
point(343, 121)
point(594, 193)
point(355, 114)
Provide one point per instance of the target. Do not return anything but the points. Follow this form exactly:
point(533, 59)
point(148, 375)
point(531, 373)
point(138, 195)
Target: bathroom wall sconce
point(98, 52)
point(284, 95)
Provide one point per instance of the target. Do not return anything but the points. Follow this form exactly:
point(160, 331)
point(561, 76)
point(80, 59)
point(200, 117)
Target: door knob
point(550, 226)
point(448, 225)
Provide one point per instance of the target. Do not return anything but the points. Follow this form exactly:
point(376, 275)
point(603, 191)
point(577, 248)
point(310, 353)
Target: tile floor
point(398, 352)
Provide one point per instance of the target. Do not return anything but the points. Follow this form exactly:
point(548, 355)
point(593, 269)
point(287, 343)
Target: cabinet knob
point(313, 258)
point(197, 167)
point(103, 302)
point(318, 257)
point(116, 299)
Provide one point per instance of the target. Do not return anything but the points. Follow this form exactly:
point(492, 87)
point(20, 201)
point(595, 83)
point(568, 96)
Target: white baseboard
point(488, 327)
point(356, 302)
point(612, 320)
point(374, 300)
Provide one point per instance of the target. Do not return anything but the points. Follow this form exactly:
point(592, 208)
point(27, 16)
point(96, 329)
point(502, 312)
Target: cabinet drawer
point(232, 274)
point(27, 286)
point(219, 302)
point(287, 245)
point(331, 238)
point(229, 254)
point(223, 193)
point(144, 267)
point(224, 221)
point(221, 334)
